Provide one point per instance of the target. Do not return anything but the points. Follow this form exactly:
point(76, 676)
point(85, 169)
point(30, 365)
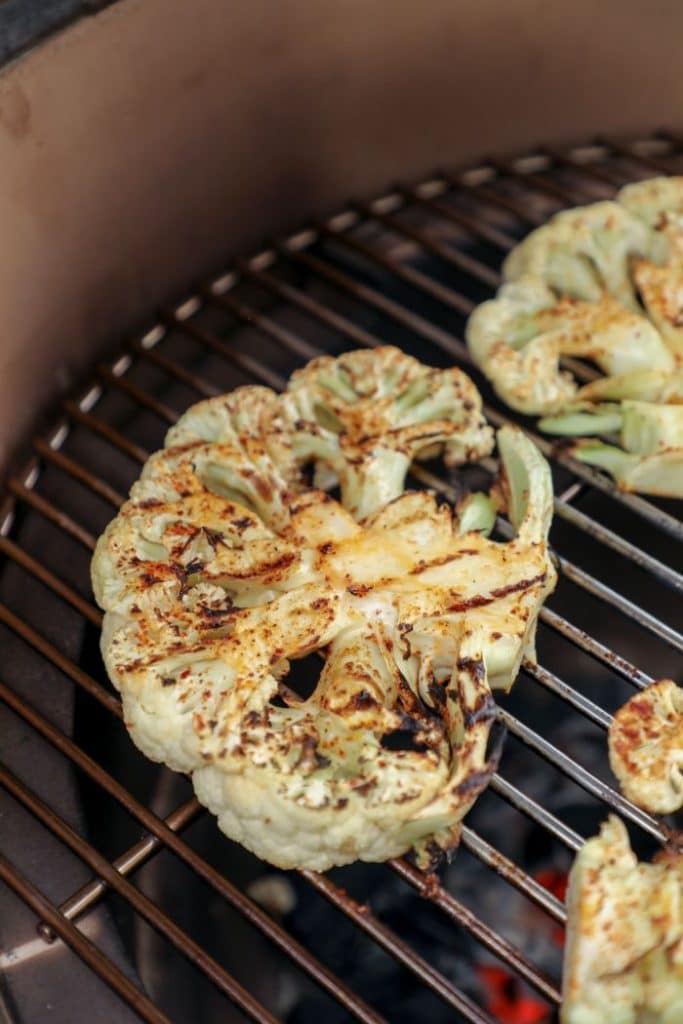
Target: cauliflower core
point(605, 283)
point(225, 565)
point(646, 747)
point(624, 951)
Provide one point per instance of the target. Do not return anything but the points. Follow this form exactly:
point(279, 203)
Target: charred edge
point(484, 711)
point(436, 856)
point(168, 681)
point(214, 537)
point(474, 668)
point(362, 701)
point(365, 787)
point(437, 692)
point(242, 523)
point(253, 718)
point(483, 599)
point(215, 613)
point(475, 782)
point(192, 567)
point(149, 503)
point(359, 589)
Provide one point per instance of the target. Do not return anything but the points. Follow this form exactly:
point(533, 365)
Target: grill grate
point(407, 269)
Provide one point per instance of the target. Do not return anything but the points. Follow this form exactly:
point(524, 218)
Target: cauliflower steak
point(646, 747)
point(603, 282)
point(225, 565)
point(624, 952)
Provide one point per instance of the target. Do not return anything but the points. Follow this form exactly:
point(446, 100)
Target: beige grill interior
point(406, 269)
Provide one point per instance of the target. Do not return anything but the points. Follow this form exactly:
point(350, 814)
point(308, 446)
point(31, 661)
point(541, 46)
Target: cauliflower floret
point(646, 747)
point(224, 567)
point(585, 252)
point(603, 282)
point(624, 952)
point(518, 338)
point(651, 436)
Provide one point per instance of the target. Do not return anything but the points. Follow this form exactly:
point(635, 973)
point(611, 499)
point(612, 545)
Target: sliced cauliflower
point(623, 959)
point(365, 416)
point(602, 282)
point(224, 567)
point(585, 252)
point(651, 436)
point(659, 203)
point(646, 747)
point(517, 339)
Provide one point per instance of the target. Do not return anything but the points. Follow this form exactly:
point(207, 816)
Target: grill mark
point(444, 560)
point(479, 600)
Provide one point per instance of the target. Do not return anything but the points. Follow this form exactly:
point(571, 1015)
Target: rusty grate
point(406, 268)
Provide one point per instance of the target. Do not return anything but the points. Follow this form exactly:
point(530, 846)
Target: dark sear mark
point(484, 711)
point(362, 701)
point(242, 523)
point(423, 566)
point(474, 668)
point(479, 600)
point(310, 758)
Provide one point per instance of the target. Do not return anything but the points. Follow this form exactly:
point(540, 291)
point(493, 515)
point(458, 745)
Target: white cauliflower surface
point(646, 747)
point(603, 283)
point(225, 566)
point(624, 951)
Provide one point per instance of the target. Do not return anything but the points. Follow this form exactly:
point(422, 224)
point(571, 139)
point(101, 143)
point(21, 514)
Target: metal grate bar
point(504, 202)
point(562, 193)
point(280, 334)
point(59, 518)
point(203, 387)
point(414, 277)
point(144, 906)
point(42, 573)
point(133, 451)
point(513, 874)
point(143, 398)
point(77, 471)
point(86, 950)
point(650, 162)
point(598, 173)
point(584, 778)
point(134, 857)
point(427, 886)
point(536, 812)
point(309, 305)
point(475, 268)
point(249, 910)
point(568, 694)
point(363, 917)
point(64, 664)
point(446, 211)
point(626, 669)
